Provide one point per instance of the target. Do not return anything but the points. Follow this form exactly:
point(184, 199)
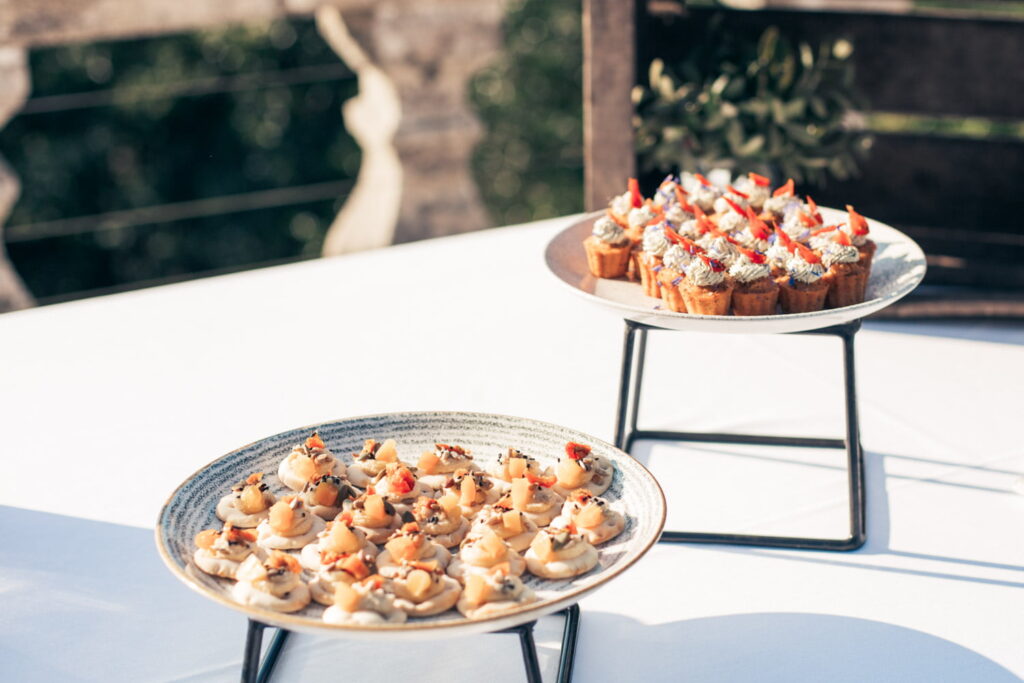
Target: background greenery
point(131, 138)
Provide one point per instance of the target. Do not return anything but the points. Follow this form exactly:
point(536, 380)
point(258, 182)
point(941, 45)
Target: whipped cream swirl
point(702, 275)
point(609, 232)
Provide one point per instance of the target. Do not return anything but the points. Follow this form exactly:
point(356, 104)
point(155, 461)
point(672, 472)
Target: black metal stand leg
point(252, 670)
point(627, 433)
point(255, 672)
point(529, 649)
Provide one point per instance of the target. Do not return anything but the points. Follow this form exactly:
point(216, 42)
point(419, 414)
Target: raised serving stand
point(897, 268)
point(190, 509)
point(256, 671)
point(627, 433)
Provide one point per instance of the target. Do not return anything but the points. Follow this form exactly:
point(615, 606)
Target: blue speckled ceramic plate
point(897, 267)
point(634, 492)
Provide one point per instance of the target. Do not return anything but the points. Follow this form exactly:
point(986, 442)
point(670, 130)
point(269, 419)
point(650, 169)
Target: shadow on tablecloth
point(775, 648)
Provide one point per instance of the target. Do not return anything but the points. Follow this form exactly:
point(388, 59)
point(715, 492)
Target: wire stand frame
point(255, 671)
point(627, 433)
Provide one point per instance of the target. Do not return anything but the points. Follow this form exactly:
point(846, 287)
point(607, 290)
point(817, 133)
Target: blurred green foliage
point(144, 149)
point(529, 164)
point(753, 103)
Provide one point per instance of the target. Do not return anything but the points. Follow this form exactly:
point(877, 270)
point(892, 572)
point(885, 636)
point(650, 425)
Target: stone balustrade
point(413, 59)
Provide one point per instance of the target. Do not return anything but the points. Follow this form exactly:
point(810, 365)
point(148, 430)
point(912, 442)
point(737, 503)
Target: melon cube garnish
point(450, 503)
point(570, 474)
point(325, 494)
point(388, 451)
point(512, 521)
point(205, 538)
point(304, 467)
point(418, 583)
point(590, 516)
point(492, 547)
point(522, 493)
point(428, 565)
point(282, 516)
point(375, 508)
point(341, 539)
point(428, 462)
point(402, 548)
point(346, 598)
point(354, 565)
point(517, 467)
point(251, 500)
point(542, 547)
point(468, 490)
point(477, 591)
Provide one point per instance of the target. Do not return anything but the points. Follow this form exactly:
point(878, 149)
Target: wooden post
point(609, 67)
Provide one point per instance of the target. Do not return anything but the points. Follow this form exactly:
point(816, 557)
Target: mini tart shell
point(847, 283)
point(607, 260)
point(707, 300)
point(562, 569)
point(670, 293)
point(647, 263)
point(802, 297)
point(757, 297)
point(297, 598)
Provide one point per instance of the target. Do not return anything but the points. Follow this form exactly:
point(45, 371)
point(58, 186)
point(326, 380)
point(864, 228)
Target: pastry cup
point(606, 260)
point(846, 284)
point(707, 300)
point(671, 280)
point(757, 297)
point(802, 297)
point(649, 267)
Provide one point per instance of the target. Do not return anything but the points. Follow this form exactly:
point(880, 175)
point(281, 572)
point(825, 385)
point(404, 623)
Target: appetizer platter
point(427, 524)
point(738, 256)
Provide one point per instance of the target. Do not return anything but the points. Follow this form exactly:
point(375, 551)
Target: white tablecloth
point(107, 404)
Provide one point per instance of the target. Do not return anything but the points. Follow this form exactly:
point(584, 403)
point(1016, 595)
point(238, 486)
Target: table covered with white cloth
point(107, 404)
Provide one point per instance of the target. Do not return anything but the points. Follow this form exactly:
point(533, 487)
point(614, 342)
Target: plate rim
point(452, 628)
point(693, 322)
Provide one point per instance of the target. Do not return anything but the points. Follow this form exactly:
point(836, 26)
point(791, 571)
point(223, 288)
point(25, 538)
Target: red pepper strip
point(732, 189)
point(819, 231)
point(814, 210)
point(735, 207)
point(807, 255)
point(576, 451)
point(858, 223)
point(754, 256)
point(704, 224)
point(807, 220)
point(620, 221)
point(680, 195)
point(672, 236)
point(784, 190)
point(842, 238)
point(546, 482)
point(759, 179)
point(758, 228)
point(634, 191)
point(784, 238)
point(703, 181)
